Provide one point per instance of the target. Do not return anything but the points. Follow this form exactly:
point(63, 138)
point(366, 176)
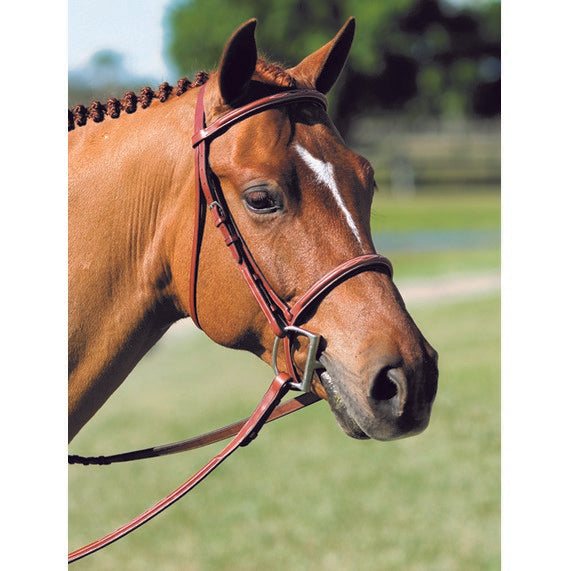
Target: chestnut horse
point(301, 200)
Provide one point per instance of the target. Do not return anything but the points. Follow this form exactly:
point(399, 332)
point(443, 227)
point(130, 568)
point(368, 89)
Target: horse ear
point(238, 62)
point(322, 68)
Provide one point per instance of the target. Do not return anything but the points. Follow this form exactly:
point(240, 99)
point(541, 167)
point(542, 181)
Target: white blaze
point(324, 174)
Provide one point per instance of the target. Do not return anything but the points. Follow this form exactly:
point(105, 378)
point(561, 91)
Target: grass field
point(439, 213)
point(303, 495)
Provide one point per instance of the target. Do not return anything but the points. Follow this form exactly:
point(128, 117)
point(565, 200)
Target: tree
point(417, 56)
point(107, 66)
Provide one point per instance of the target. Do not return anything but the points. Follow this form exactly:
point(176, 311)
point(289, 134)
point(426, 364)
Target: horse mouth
point(358, 418)
point(337, 404)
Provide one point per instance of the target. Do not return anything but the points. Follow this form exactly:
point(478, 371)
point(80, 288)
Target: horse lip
point(337, 404)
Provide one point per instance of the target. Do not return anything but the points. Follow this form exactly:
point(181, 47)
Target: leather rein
point(283, 319)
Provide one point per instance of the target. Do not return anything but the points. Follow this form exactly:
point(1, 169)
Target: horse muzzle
point(393, 403)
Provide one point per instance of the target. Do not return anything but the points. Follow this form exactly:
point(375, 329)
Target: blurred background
point(420, 98)
point(422, 85)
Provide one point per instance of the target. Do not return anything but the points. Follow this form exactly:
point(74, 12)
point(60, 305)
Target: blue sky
point(132, 28)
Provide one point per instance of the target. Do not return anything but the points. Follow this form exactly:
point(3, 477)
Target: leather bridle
point(285, 321)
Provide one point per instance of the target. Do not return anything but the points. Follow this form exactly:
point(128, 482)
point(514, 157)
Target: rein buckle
point(311, 362)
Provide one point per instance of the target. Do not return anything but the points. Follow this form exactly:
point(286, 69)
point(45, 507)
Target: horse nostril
point(383, 386)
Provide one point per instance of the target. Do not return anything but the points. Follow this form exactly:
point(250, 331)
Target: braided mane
point(97, 111)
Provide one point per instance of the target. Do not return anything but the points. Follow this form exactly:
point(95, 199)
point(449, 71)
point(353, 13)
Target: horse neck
point(129, 211)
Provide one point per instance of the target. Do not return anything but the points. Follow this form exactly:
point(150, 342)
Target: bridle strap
point(336, 276)
point(241, 113)
point(276, 391)
point(208, 195)
point(283, 409)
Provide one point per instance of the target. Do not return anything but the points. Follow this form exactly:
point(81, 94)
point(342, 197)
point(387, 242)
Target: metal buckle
point(311, 362)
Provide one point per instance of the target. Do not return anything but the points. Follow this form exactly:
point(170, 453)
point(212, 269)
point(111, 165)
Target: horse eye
point(263, 201)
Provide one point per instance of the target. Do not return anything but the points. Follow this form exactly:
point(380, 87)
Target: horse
point(300, 200)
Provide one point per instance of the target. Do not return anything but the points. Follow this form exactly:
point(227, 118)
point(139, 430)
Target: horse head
point(302, 202)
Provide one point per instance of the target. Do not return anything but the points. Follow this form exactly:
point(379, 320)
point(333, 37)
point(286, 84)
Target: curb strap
point(278, 388)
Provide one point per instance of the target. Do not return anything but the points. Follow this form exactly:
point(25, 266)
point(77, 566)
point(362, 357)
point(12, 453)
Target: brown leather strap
point(335, 276)
point(248, 432)
point(209, 197)
point(277, 312)
point(206, 439)
point(240, 113)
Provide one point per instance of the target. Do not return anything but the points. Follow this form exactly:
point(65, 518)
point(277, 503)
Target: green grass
point(436, 211)
point(414, 264)
point(439, 211)
point(303, 495)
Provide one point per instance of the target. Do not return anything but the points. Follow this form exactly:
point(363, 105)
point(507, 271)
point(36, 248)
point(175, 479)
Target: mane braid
point(273, 73)
point(266, 72)
point(79, 115)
